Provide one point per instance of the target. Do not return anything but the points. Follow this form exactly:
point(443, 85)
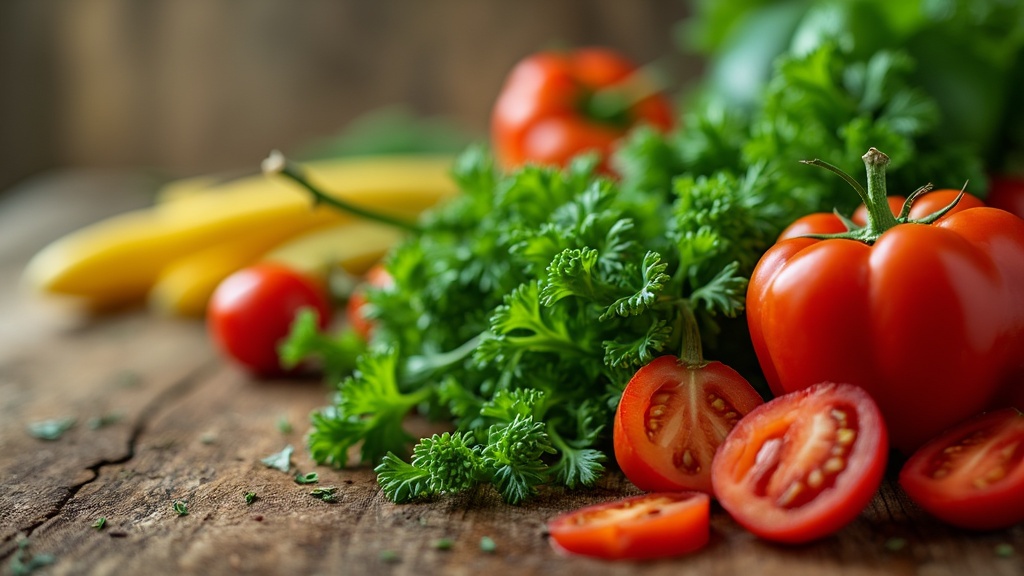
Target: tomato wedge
point(644, 527)
point(671, 419)
point(972, 475)
point(803, 465)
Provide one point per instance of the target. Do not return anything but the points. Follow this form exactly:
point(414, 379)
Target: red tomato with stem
point(355, 312)
point(556, 105)
point(636, 528)
point(252, 310)
point(972, 475)
point(804, 464)
point(671, 419)
point(928, 318)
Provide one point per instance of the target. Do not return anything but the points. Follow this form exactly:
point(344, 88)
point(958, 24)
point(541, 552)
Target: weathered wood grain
point(194, 429)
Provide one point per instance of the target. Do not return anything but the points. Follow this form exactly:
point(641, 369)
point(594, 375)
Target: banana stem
point(277, 163)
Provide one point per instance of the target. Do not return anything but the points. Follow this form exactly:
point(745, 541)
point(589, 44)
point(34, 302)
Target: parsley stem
point(691, 352)
point(277, 163)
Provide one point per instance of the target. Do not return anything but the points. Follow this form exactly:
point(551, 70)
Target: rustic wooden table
point(159, 418)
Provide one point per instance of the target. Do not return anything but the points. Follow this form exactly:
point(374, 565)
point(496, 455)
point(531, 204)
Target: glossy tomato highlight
point(636, 528)
point(972, 475)
point(803, 465)
point(671, 419)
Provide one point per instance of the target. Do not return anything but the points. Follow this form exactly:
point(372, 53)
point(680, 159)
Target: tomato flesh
point(252, 310)
point(972, 475)
point(803, 465)
point(671, 419)
point(643, 527)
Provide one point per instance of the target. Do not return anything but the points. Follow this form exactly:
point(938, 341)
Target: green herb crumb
point(327, 493)
point(895, 544)
point(310, 478)
point(281, 460)
point(444, 544)
point(250, 497)
point(488, 545)
point(50, 429)
point(105, 420)
point(180, 507)
point(389, 556)
point(284, 426)
point(100, 523)
point(24, 562)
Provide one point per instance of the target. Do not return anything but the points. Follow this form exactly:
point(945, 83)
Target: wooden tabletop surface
point(159, 419)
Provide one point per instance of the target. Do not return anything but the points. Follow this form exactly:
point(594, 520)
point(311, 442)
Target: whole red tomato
point(251, 311)
point(555, 105)
point(929, 319)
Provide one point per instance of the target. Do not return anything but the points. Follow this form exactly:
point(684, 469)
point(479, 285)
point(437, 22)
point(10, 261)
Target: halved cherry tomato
point(671, 419)
point(252, 310)
point(636, 528)
point(928, 203)
point(377, 276)
point(803, 465)
point(972, 475)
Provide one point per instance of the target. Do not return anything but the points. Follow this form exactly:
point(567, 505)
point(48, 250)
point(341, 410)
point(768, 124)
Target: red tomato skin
point(929, 203)
point(537, 116)
point(650, 466)
point(955, 499)
point(736, 465)
point(377, 276)
point(1007, 193)
point(911, 319)
point(251, 311)
point(677, 532)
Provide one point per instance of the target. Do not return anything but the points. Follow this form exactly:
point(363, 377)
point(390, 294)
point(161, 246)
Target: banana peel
point(119, 260)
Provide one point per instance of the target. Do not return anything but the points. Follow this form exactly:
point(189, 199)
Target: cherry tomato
point(972, 475)
point(546, 111)
point(377, 276)
point(928, 203)
point(671, 419)
point(803, 465)
point(251, 311)
point(1007, 193)
point(636, 528)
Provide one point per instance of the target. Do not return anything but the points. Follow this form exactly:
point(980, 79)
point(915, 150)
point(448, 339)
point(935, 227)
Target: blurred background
point(185, 87)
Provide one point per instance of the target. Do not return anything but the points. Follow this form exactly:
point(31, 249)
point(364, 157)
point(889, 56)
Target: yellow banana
point(185, 285)
point(354, 247)
point(117, 260)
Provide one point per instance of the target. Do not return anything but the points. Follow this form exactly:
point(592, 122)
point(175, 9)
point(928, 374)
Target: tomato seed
point(834, 464)
point(815, 479)
point(845, 436)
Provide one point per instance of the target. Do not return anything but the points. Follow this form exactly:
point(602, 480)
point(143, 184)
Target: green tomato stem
point(880, 217)
point(277, 163)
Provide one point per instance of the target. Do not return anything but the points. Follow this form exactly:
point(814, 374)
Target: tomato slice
point(671, 419)
point(644, 527)
point(803, 465)
point(972, 475)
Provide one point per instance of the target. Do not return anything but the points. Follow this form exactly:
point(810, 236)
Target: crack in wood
point(149, 412)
